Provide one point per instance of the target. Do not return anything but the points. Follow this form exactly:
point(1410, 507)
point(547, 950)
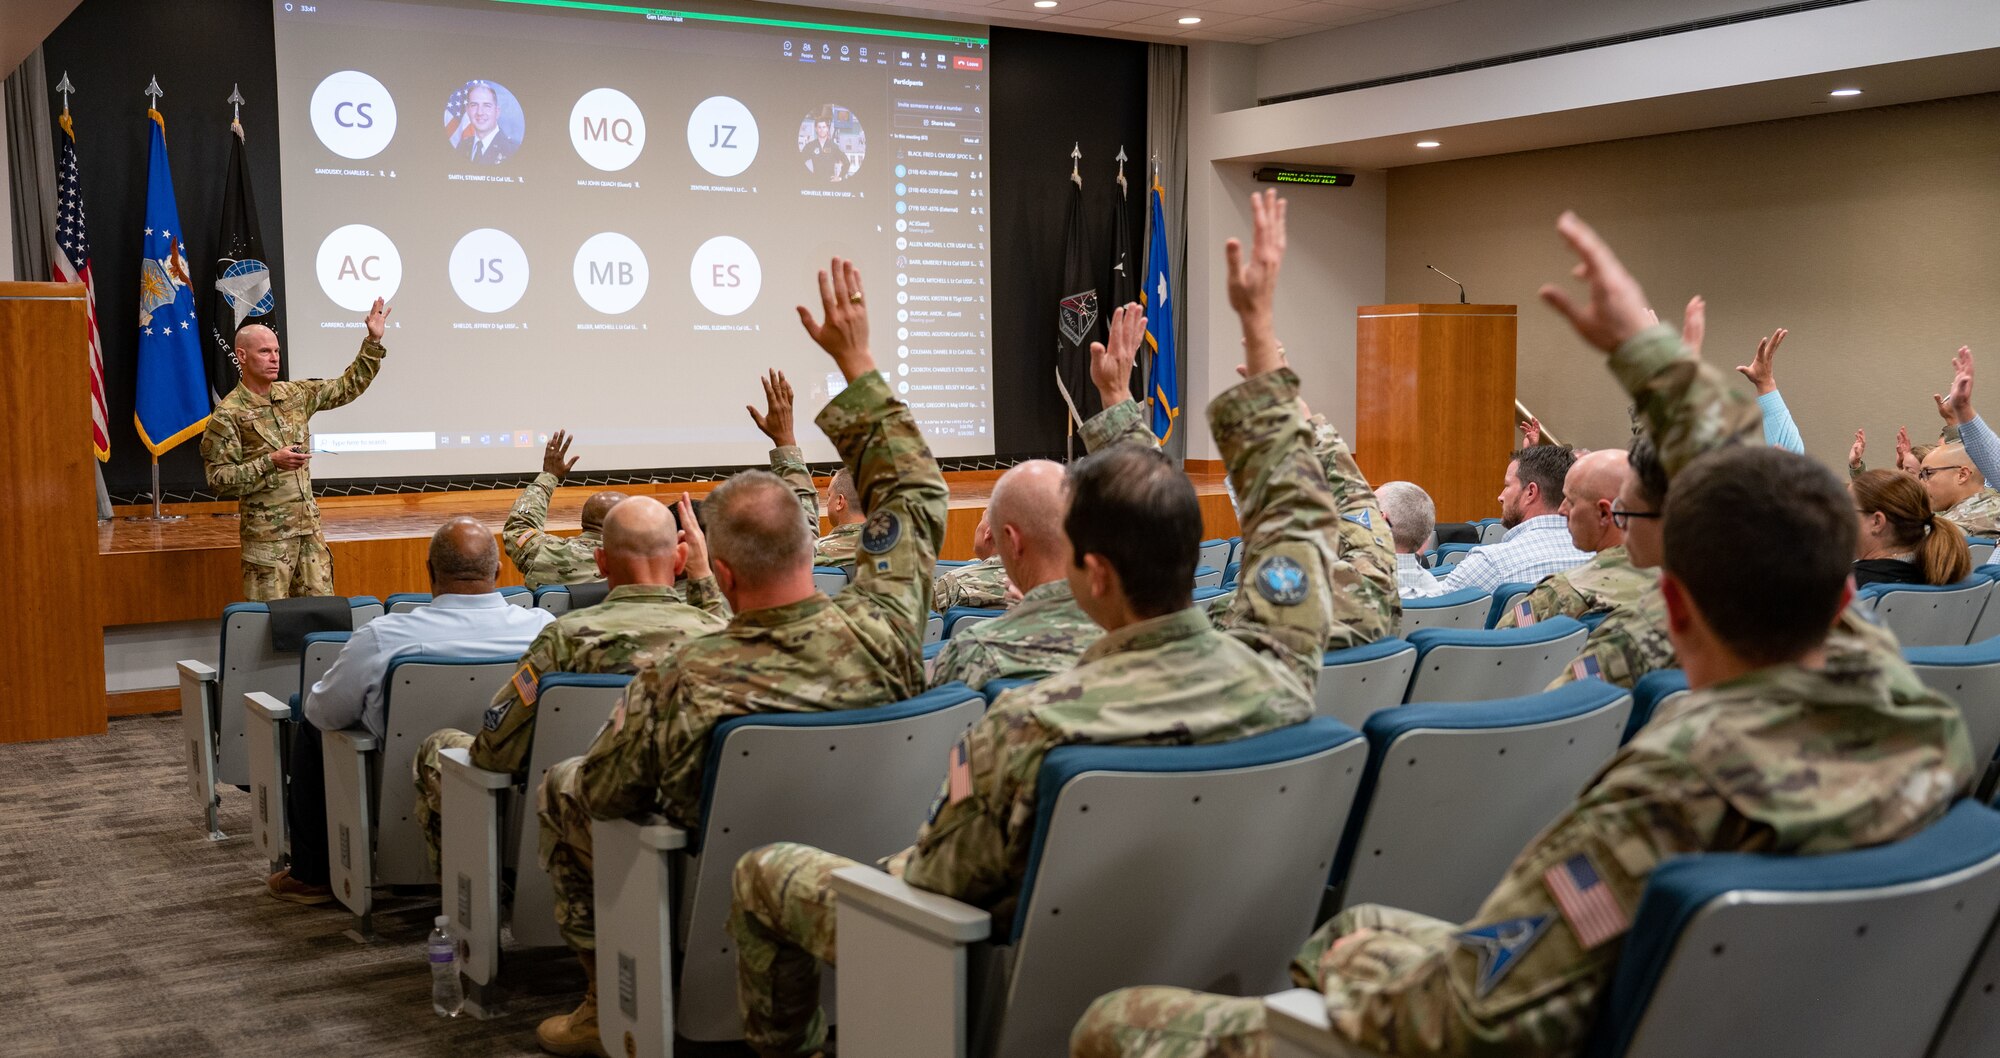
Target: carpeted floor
point(125, 932)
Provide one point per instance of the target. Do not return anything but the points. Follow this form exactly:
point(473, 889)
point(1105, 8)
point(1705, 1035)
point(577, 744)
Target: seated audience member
point(789, 648)
point(1761, 757)
point(1982, 449)
point(1632, 639)
point(1909, 457)
point(1957, 492)
point(983, 583)
point(1537, 541)
point(1607, 581)
point(543, 557)
point(845, 513)
point(467, 617)
point(1901, 541)
point(1411, 516)
point(1047, 631)
point(642, 621)
point(1780, 431)
point(1162, 674)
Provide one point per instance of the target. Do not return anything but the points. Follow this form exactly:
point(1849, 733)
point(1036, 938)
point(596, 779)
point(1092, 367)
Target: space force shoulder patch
point(881, 533)
point(1281, 581)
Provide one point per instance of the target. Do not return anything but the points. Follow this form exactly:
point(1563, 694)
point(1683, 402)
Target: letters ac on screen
point(364, 270)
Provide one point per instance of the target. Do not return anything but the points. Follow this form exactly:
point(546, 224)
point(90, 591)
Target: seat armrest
point(458, 764)
point(264, 705)
point(195, 670)
point(1299, 1027)
point(356, 739)
point(925, 913)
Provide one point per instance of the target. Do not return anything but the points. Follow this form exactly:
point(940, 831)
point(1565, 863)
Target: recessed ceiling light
point(1427, 144)
point(1844, 92)
point(1190, 20)
point(1045, 3)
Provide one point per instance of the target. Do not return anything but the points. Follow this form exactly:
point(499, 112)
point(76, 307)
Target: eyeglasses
point(1623, 519)
point(1925, 473)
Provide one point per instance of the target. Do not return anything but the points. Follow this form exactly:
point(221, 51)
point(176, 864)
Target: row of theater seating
point(1333, 826)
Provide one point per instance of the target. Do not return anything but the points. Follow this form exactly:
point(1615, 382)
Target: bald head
point(251, 335)
point(641, 544)
point(1589, 490)
point(755, 530)
point(256, 355)
point(599, 505)
point(843, 500)
point(464, 559)
point(1026, 514)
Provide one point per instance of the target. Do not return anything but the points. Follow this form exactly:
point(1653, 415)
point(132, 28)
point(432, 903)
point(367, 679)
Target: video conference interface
point(600, 218)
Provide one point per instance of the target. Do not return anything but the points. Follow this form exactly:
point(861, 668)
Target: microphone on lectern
point(1461, 286)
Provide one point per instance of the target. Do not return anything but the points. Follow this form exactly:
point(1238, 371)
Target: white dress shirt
point(1413, 581)
point(1530, 551)
point(453, 626)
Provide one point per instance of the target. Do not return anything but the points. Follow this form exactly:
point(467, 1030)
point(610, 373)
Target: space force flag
point(172, 402)
point(1163, 388)
point(1077, 321)
point(243, 291)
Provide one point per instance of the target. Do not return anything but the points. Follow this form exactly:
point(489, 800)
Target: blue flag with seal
point(1163, 386)
point(172, 401)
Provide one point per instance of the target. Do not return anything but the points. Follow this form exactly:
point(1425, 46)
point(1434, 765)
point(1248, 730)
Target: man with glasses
point(1957, 492)
point(1632, 639)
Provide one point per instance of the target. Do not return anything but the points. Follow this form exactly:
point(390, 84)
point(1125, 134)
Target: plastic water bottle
point(447, 997)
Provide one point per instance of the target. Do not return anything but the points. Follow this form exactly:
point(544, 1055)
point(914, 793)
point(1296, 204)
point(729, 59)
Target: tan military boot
point(575, 1033)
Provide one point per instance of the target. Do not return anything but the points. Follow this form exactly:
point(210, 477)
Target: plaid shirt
point(1530, 551)
point(1413, 581)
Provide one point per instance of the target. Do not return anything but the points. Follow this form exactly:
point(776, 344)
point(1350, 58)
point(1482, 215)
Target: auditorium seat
point(830, 579)
point(1972, 1026)
point(1471, 665)
point(1233, 841)
point(560, 599)
point(1207, 576)
point(267, 725)
point(934, 628)
point(995, 688)
point(1929, 615)
point(1969, 676)
point(1653, 692)
point(1214, 554)
point(1981, 548)
point(966, 616)
point(212, 731)
point(1356, 682)
point(479, 849)
point(1231, 572)
point(405, 601)
point(1751, 955)
point(1464, 608)
point(1505, 598)
point(1450, 553)
point(371, 826)
point(1490, 530)
point(1455, 790)
point(768, 777)
point(1988, 624)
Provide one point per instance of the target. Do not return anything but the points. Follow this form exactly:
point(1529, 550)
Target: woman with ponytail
point(1901, 541)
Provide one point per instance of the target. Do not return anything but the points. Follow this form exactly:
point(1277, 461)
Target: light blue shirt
point(1981, 447)
point(453, 626)
point(1530, 551)
point(1779, 429)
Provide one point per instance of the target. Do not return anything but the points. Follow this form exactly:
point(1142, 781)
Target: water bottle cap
point(441, 920)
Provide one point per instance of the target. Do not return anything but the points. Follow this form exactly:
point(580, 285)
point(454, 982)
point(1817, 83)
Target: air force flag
point(172, 403)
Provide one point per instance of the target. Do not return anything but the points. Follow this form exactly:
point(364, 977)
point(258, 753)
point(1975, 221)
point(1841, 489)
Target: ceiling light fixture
point(1844, 92)
point(1190, 20)
point(1045, 3)
point(1427, 144)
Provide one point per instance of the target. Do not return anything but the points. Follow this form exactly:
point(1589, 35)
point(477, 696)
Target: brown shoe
point(285, 887)
point(575, 1033)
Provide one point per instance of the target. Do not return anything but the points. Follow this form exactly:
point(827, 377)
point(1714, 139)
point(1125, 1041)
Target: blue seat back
point(830, 579)
point(1930, 615)
point(1214, 554)
point(1464, 608)
point(1969, 676)
point(995, 688)
point(968, 616)
point(1454, 791)
point(422, 693)
point(1734, 955)
point(1981, 548)
point(246, 664)
point(1235, 836)
point(1358, 681)
point(1452, 553)
point(1504, 599)
point(1472, 665)
point(1652, 691)
point(1206, 576)
point(570, 709)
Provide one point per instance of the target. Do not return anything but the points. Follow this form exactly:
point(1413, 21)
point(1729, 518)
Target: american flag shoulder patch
point(1585, 901)
point(1587, 668)
point(524, 683)
point(1524, 614)
point(958, 784)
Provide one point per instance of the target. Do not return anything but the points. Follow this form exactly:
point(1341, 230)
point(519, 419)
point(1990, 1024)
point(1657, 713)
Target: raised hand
point(1253, 282)
point(1859, 449)
point(1956, 406)
point(1617, 307)
point(1758, 370)
point(1111, 363)
point(378, 318)
point(692, 536)
point(843, 330)
point(1694, 324)
point(1531, 432)
point(776, 420)
point(553, 456)
point(1902, 447)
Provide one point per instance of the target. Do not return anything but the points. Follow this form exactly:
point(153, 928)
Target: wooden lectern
point(53, 642)
point(1434, 402)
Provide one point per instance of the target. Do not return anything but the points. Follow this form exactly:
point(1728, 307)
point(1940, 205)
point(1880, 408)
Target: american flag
point(72, 265)
point(1586, 902)
point(455, 120)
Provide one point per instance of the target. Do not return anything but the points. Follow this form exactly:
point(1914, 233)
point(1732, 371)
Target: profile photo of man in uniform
point(820, 147)
point(483, 123)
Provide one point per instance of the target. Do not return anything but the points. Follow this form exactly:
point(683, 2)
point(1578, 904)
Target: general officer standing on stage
point(257, 449)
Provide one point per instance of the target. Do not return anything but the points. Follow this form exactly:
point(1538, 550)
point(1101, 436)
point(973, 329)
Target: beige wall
point(1873, 235)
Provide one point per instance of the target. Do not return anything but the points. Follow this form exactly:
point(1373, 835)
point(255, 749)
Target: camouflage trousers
point(428, 774)
point(781, 914)
point(566, 852)
point(287, 569)
point(1158, 1022)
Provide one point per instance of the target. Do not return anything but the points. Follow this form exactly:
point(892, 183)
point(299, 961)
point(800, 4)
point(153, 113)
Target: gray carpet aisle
point(125, 932)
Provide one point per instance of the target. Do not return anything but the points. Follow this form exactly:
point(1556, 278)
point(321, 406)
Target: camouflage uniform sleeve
point(789, 463)
point(963, 659)
point(507, 734)
point(1619, 646)
point(975, 848)
point(332, 393)
point(705, 594)
point(905, 497)
point(1552, 597)
point(1856, 468)
point(228, 473)
point(1120, 423)
point(1687, 404)
point(1433, 993)
point(1302, 578)
point(623, 769)
point(1333, 454)
point(522, 533)
point(1356, 615)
